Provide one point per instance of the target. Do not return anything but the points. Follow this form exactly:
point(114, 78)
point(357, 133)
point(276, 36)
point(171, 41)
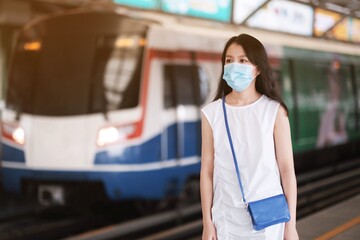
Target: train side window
point(204, 82)
point(325, 103)
point(276, 74)
point(184, 85)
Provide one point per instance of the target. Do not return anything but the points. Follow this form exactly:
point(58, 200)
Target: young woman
point(260, 130)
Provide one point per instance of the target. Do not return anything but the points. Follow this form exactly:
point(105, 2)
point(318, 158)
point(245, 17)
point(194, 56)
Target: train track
point(60, 222)
point(180, 223)
point(35, 227)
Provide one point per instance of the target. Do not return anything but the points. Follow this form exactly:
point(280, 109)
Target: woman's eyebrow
point(240, 56)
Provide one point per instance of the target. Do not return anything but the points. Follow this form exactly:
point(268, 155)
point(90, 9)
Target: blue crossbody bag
point(264, 212)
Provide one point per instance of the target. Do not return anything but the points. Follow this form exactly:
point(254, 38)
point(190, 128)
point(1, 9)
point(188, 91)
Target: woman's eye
point(228, 61)
point(243, 61)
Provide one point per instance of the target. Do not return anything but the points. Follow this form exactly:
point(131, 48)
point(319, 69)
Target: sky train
point(109, 102)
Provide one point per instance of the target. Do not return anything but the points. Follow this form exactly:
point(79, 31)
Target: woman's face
point(236, 53)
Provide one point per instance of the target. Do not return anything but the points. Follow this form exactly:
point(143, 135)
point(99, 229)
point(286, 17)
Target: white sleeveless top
point(252, 128)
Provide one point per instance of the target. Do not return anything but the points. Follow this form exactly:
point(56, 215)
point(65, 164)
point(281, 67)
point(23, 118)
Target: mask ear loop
point(257, 74)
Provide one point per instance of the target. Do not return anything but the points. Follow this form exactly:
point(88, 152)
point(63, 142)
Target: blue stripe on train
point(150, 151)
point(153, 184)
point(12, 154)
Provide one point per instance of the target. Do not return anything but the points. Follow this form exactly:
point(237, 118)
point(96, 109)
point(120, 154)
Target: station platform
point(338, 222)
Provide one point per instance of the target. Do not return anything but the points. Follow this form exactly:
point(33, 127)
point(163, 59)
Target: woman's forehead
point(235, 50)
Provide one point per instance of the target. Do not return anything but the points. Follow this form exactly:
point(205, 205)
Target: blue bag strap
point(232, 149)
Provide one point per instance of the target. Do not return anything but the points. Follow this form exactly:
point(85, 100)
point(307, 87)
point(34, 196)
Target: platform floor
point(338, 222)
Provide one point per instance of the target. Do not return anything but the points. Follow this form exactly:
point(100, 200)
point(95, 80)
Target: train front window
point(75, 71)
point(119, 65)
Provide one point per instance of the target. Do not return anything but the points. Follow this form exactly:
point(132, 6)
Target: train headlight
point(13, 132)
point(108, 135)
point(19, 135)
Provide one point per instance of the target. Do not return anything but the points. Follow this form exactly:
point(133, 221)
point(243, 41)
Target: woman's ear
point(257, 71)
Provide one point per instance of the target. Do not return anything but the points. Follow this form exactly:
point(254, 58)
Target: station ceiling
point(342, 8)
point(346, 7)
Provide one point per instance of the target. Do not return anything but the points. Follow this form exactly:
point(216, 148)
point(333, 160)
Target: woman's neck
point(242, 98)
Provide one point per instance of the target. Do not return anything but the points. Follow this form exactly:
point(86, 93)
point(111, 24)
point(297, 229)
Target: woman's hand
point(209, 232)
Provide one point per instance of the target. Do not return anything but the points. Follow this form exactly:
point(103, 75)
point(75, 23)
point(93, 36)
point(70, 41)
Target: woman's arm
point(284, 156)
point(206, 178)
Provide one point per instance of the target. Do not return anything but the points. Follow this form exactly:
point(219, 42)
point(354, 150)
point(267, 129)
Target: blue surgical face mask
point(238, 76)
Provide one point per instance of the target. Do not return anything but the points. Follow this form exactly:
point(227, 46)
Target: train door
point(185, 88)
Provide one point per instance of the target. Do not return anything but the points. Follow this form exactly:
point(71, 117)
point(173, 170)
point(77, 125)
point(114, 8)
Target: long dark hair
point(256, 53)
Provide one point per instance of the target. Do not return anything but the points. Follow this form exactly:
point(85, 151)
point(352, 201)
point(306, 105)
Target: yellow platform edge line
point(340, 229)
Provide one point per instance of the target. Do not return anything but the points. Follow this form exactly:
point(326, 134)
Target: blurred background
point(100, 108)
